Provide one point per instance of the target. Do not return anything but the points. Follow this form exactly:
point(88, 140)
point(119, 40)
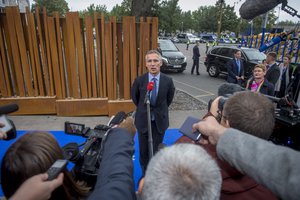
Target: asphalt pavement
point(202, 87)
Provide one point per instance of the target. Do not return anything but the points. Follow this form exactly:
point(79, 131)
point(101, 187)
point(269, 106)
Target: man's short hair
point(250, 112)
point(273, 55)
point(288, 56)
point(153, 51)
point(236, 50)
point(261, 66)
point(182, 171)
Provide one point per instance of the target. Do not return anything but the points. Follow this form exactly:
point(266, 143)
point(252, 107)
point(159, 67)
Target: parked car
point(207, 38)
point(224, 40)
point(184, 37)
point(218, 56)
point(173, 59)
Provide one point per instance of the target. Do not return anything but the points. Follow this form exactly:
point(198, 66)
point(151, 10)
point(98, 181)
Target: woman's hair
point(32, 154)
point(261, 66)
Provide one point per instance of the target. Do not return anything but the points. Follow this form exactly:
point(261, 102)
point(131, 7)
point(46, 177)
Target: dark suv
point(173, 59)
point(217, 58)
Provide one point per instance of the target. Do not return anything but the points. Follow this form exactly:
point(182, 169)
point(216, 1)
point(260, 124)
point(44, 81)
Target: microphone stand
point(150, 139)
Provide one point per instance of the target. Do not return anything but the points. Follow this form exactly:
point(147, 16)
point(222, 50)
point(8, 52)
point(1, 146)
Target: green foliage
point(91, 9)
point(123, 10)
point(169, 16)
point(54, 5)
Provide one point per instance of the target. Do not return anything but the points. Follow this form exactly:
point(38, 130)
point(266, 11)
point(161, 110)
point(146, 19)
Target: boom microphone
point(253, 8)
point(8, 108)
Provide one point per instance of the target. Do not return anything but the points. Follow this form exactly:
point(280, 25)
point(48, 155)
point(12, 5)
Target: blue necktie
point(153, 93)
point(239, 66)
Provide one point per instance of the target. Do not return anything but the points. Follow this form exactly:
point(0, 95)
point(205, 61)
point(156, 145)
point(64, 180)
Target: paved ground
point(200, 87)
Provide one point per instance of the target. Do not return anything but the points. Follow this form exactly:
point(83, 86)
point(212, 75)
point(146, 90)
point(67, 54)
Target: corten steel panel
point(82, 107)
point(32, 105)
point(41, 46)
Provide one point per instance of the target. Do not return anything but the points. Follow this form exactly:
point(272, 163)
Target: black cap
point(9, 108)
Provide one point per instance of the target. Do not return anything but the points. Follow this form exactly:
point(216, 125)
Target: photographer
point(274, 166)
point(252, 113)
point(34, 153)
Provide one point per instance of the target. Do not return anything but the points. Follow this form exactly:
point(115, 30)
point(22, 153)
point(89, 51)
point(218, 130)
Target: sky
point(185, 5)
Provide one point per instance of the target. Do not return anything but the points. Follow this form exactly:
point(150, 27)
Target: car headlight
point(165, 59)
point(184, 60)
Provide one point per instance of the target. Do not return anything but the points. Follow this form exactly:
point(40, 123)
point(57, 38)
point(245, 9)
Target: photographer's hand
point(128, 124)
point(214, 107)
point(2, 134)
point(37, 188)
point(211, 128)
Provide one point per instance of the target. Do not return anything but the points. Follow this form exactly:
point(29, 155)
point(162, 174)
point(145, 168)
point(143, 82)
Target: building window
point(3, 2)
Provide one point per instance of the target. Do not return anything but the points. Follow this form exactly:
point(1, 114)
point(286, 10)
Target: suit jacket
point(266, 88)
point(196, 53)
point(115, 176)
point(232, 69)
point(164, 99)
point(274, 166)
point(273, 74)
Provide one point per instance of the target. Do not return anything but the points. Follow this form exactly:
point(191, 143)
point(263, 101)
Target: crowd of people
point(232, 160)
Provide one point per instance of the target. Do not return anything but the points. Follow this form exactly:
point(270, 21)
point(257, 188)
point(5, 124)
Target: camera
point(87, 156)
point(9, 128)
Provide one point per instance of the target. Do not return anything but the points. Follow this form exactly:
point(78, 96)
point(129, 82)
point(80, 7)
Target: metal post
point(264, 25)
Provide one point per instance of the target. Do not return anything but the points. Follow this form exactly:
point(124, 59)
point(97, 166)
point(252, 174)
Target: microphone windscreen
point(8, 108)
point(228, 89)
point(150, 86)
point(119, 117)
point(253, 8)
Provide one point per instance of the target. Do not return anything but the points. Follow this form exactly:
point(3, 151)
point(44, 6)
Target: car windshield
point(254, 54)
point(167, 45)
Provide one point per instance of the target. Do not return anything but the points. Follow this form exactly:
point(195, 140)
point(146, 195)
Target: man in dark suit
point(235, 69)
point(196, 56)
point(273, 71)
point(160, 98)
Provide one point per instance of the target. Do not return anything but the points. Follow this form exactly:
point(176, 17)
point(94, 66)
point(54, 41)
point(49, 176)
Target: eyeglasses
point(154, 60)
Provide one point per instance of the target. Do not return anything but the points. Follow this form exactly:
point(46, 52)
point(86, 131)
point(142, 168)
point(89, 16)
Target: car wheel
point(213, 70)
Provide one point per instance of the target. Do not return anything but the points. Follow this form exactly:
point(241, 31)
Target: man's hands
point(210, 128)
point(128, 124)
point(2, 134)
point(37, 188)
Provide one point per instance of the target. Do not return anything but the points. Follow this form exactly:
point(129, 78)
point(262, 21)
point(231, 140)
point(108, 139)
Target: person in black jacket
point(273, 71)
point(235, 69)
point(258, 83)
point(161, 98)
point(196, 57)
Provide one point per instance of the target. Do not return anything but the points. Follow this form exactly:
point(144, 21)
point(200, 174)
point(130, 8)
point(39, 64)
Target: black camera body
point(87, 159)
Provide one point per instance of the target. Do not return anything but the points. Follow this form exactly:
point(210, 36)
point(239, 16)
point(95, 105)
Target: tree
point(169, 16)
point(205, 19)
point(54, 5)
point(123, 10)
point(141, 8)
point(91, 9)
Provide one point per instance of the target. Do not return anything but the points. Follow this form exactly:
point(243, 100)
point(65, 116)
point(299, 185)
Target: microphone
point(274, 41)
point(149, 89)
point(253, 8)
point(9, 108)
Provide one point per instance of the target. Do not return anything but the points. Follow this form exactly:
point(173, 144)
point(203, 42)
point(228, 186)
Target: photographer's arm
point(274, 166)
point(115, 177)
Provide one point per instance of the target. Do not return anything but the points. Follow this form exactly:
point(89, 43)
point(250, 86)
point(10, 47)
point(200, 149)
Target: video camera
point(87, 156)
point(9, 127)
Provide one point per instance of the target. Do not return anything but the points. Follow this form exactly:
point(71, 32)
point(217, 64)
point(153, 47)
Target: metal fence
point(69, 65)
